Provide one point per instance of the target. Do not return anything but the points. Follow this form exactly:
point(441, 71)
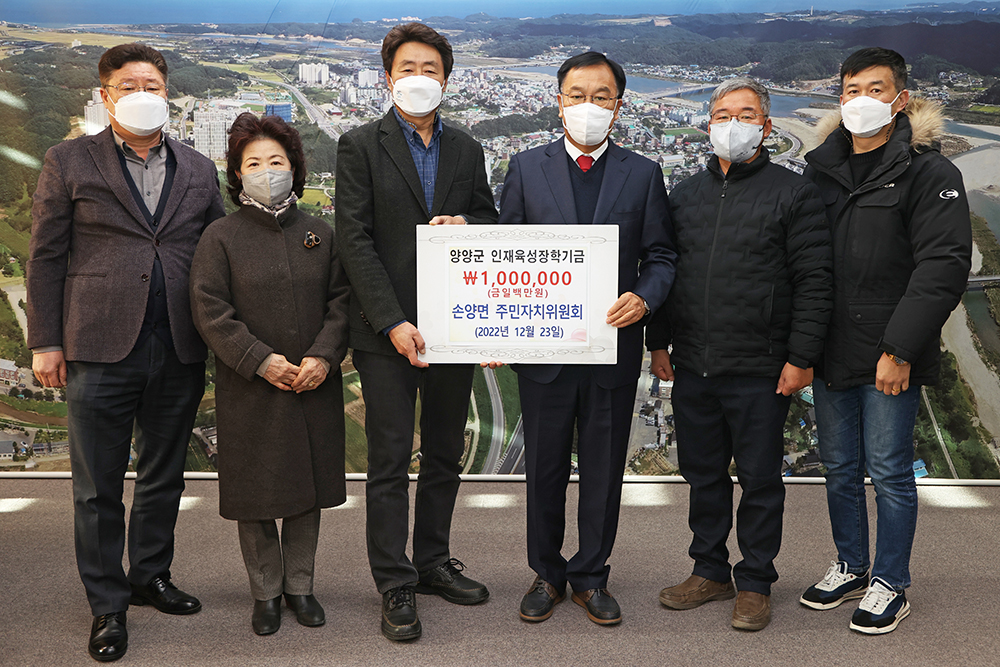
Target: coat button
point(157, 243)
point(145, 277)
point(858, 316)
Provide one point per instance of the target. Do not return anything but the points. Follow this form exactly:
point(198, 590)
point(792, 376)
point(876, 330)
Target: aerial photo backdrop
point(318, 65)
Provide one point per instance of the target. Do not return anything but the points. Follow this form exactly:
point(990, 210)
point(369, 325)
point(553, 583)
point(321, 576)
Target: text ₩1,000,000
point(531, 294)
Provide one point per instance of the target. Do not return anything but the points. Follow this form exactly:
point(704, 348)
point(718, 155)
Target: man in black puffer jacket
point(746, 317)
point(902, 250)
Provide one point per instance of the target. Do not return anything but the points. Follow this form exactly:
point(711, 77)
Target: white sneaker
point(881, 609)
point(837, 586)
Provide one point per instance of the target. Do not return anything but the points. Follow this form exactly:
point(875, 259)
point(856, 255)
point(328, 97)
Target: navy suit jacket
point(538, 191)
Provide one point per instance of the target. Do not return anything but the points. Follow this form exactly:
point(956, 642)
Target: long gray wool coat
point(255, 289)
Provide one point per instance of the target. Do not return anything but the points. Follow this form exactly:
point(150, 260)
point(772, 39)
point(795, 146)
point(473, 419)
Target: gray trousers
point(280, 565)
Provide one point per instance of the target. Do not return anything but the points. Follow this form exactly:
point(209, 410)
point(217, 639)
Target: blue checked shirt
point(425, 158)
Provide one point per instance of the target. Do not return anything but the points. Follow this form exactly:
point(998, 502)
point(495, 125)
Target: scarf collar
point(273, 210)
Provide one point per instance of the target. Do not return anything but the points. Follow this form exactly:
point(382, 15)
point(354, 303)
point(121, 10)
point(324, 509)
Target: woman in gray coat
point(270, 299)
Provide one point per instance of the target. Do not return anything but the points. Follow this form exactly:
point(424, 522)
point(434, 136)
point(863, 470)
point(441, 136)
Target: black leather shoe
point(307, 608)
point(448, 581)
point(540, 601)
point(399, 614)
point(162, 594)
point(601, 606)
point(108, 637)
point(266, 617)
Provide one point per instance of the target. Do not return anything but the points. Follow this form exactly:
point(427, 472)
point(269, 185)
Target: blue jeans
point(863, 428)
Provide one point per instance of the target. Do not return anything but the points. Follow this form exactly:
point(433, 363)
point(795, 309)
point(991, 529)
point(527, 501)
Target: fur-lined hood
point(926, 122)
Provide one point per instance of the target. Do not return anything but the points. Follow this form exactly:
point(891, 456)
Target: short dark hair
point(589, 59)
point(416, 32)
point(875, 56)
point(249, 127)
point(117, 57)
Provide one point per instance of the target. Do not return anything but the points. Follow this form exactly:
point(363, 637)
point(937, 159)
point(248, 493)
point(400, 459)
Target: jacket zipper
point(708, 274)
point(852, 195)
point(770, 329)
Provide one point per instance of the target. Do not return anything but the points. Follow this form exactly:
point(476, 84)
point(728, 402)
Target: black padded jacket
point(753, 288)
point(902, 249)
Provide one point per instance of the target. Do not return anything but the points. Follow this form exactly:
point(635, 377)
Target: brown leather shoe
point(601, 606)
point(752, 611)
point(540, 600)
point(695, 592)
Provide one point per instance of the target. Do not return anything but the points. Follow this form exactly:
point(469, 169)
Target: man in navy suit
point(586, 179)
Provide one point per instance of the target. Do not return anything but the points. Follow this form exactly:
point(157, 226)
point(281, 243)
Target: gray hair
point(741, 83)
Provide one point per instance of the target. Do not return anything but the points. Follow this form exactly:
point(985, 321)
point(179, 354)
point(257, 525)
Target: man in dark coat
point(116, 219)
point(395, 173)
point(579, 180)
point(746, 319)
point(902, 246)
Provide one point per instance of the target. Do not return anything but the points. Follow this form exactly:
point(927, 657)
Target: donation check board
point(517, 293)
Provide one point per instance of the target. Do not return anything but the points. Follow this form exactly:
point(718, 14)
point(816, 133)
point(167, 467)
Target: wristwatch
point(896, 360)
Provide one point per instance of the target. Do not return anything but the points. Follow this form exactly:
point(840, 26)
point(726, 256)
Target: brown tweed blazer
point(92, 251)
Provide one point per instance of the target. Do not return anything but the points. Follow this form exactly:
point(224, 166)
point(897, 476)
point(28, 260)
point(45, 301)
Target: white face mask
point(587, 124)
point(864, 116)
point(268, 186)
point(141, 113)
point(417, 95)
point(735, 141)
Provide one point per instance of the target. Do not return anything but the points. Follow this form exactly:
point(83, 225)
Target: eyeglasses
point(128, 88)
point(599, 100)
point(743, 117)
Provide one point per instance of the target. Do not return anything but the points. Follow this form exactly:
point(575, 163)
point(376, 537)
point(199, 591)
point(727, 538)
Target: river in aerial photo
point(781, 105)
point(982, 179)
point(988, 207)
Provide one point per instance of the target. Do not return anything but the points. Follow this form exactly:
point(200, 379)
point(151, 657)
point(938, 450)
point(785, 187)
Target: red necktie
point(585, 162)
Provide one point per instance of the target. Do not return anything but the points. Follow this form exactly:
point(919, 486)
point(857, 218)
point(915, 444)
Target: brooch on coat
point(311, 240)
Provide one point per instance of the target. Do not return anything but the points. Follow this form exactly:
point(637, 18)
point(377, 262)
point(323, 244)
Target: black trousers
point(390, 385)
point(719, 419)
point(603, 418)
point(152, 391)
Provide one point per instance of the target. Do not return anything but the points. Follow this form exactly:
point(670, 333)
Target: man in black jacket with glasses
point(746, 319)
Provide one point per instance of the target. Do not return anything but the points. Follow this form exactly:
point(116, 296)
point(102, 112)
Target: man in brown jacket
point(116, 218)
